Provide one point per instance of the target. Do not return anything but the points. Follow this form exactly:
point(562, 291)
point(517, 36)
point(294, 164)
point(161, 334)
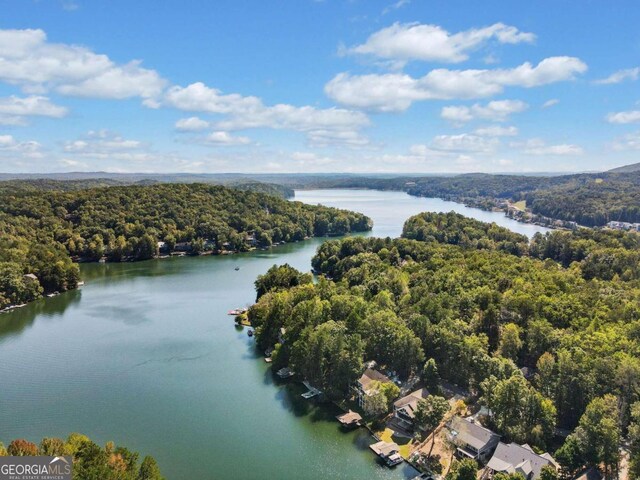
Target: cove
point(145, 355)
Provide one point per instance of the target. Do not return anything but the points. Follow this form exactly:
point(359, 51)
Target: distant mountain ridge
point(634, 167)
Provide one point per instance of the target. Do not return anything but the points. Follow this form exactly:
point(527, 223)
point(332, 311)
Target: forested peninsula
point(544, 333)
point(45, 228)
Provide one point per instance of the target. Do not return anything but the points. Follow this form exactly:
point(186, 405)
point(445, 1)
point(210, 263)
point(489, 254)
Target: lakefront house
point(514, 458)
point(471, 439)
point(364, 386)
point(404, 409)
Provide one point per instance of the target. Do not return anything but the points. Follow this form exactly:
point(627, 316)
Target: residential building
point(472, 439)
point(364, 386)
point(404, 409)
point(514, 458)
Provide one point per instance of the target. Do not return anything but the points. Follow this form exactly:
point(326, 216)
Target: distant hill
point(634, 167)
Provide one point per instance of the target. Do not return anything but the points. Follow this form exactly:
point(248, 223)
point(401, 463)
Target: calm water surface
point(145, 355)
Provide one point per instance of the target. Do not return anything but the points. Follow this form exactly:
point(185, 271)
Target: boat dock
point(389, 452)
point(350, 419)
point(312, 391)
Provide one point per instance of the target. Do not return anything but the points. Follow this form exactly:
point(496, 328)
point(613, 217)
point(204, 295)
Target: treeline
point(543, 345)
point(42, 230)
point(90, 460)
point(588, 199)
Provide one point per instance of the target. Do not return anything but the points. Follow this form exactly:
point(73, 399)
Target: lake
point(145, 355)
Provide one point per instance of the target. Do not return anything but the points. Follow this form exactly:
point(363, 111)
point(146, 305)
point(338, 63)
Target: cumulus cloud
point(191, 124)
point(18, 151)
point(631, 116)
point(536, 146)
point(464, 142)
point(221, 138)
point(15, 110)
point(630, 141)
point(414, 41)
point(29, 60)
point(620, 76)
point(397, 91)
point(104, 144)
point(244, 112)
point(497, 110)
point(496, 131)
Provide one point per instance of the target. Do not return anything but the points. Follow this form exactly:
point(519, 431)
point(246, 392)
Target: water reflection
point(15, 322)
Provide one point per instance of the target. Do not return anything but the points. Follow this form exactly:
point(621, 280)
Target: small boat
point(237, 268)
point(250, 332)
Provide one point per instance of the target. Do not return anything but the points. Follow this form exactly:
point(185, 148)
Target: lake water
point(145, 355)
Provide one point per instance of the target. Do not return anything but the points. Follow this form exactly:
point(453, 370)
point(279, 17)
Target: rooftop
point(513, 458)
point(409, 404)
point(469, 432)
point(370, 375)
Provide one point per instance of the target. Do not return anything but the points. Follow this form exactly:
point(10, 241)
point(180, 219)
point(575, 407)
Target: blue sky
point(319, 86)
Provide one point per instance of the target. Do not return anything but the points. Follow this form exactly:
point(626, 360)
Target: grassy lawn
point(404, 443)
point(521, 205)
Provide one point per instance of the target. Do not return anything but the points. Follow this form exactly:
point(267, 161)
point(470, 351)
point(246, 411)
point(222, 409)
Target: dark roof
point(471, 433)
point(409, 404)
point(591, 474)
point(514, 458)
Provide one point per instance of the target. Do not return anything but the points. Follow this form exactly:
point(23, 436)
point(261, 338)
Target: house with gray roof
point(514, 458)
point(472, 439)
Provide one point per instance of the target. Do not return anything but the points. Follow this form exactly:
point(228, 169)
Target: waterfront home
point(163, 247)
point(404, 409)
point(389, 452)
point(30, 276)
point(364, 386)
point(514, 458)
point(471, 439)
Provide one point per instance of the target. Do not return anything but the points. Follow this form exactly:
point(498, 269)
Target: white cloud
point(620, 76)
point(496, 131)
point(414, 41)
point(104, 144)
point(497, 110)
point(15, 110)
point(630, 141)
point(191, 124)
point(632, 116)
point(28, 60)
point(464, 142)
point(226, 139)
point(397, 91)
point(347, 138)
point(395, 6)
point(250, 112)
point(536, 146)
point(550, 103)
point(17, 151)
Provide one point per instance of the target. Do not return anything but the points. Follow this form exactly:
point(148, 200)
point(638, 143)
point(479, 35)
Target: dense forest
point(588, 199)
point(90, 461)
point(43, 229)
point(544, 333)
